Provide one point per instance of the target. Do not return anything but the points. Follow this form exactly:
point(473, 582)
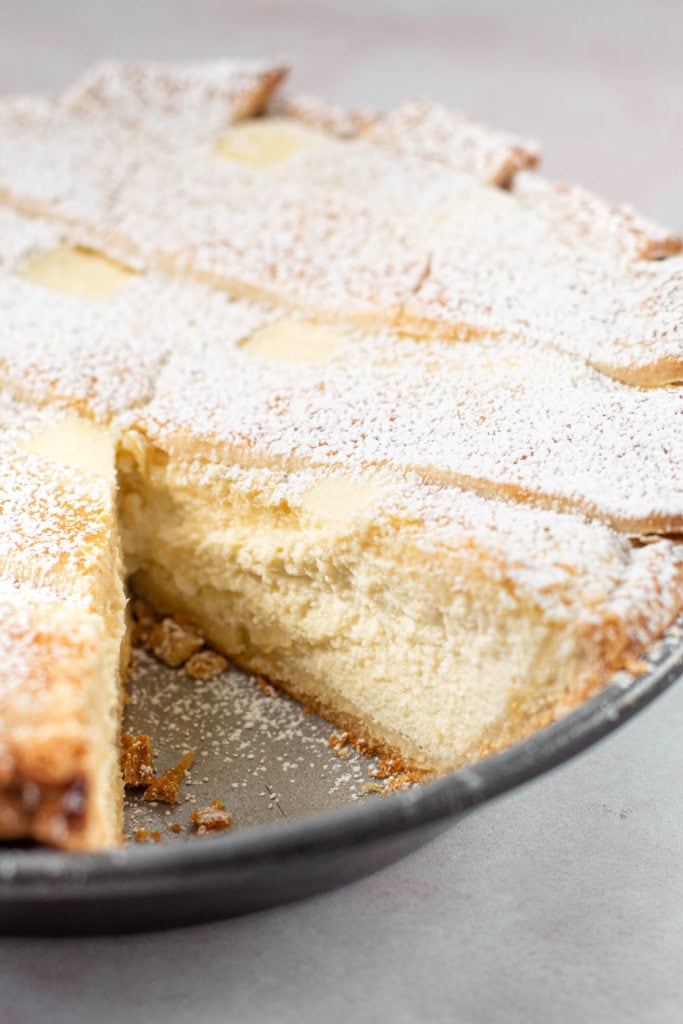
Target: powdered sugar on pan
point(260, 754)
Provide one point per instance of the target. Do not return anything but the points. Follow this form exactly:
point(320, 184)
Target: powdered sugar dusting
point(57, 164)
point(582, 218)
point(344, 122)
point(450, 137)
point(585, 305)
point(346, 239)
point(103, 355)
point(57, 586)
point(475, 415)
point(55, 524)
point(175, 103)
point(20, 237)
point(39, 632)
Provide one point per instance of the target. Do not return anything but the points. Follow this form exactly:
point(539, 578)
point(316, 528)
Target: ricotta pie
point(391, 418)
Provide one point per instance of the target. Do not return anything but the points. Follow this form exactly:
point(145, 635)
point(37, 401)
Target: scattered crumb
point(176, 827)
point(166, 788)
point(342, 742)
point(211, 819)
point(206, 664)
point(266, 687)
point(174, 642)
point(373, 787)
point(339, 745)
point(137, 766)
point(397, 774)
point(144, 621)
point(399, 782)
point(387, 767)
point(143, 835)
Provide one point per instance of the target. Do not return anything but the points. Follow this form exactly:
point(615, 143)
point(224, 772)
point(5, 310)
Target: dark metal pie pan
point(303, 824)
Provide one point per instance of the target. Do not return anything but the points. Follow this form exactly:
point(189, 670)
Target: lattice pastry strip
point(446, 136)
point(175, 104)
point(582, 219)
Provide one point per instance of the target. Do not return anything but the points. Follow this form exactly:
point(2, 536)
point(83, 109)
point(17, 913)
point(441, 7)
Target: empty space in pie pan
point(306, 819)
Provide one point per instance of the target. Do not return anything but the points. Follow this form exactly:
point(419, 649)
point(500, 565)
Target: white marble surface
point(564, 901)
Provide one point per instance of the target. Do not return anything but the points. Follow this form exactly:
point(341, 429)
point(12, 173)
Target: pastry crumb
point(137, 766)
point(166, 788)
point(635, 666)
point(266, 687)
point(206, 664)
point(339, 744)
point(144, 621)
point(373, 787)
point(143, 835)
point(174, 642)
point(211, 819)
point(397, 774)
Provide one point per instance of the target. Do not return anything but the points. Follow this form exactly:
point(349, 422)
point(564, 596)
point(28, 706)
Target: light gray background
point(564, 901)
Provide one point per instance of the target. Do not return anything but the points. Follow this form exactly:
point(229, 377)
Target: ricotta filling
point(426, 663)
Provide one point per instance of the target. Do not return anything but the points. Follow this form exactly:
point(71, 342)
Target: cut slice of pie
point(63, 636)
point(321, 385)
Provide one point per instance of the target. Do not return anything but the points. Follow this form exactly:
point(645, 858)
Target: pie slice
point(63, 636)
